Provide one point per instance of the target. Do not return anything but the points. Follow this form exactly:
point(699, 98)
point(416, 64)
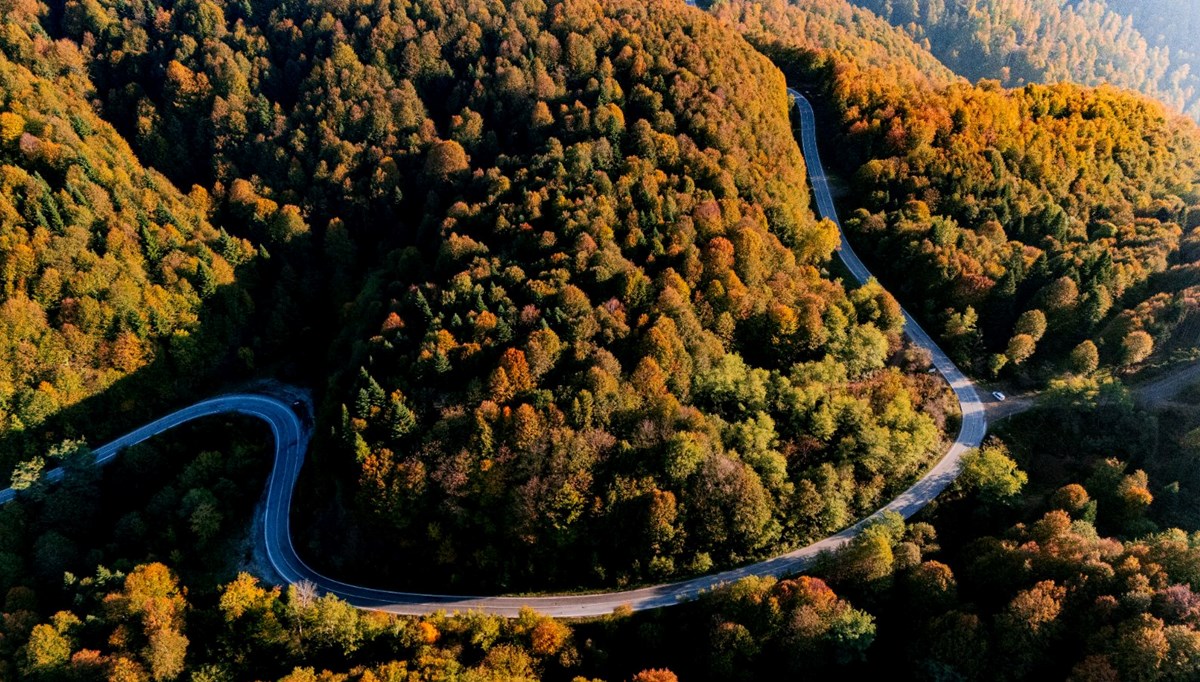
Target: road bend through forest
point(292, 434)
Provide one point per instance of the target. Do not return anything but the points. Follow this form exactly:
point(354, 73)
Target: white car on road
point(998, 396)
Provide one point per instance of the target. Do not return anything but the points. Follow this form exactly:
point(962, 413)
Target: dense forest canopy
point(594, 346)
point(104, 265)
point(634, 336)
point(1146, 46)
point(566, 254)
point(837, 31)
point(1009, 215)
point(1072, 577)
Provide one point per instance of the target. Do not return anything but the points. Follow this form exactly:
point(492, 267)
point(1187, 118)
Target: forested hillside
point(1071, 572)
point(571, 322)
point(1167, 23)
point(828, 34)
point(1144, 46)
point(1171, 25)
point(104, 265)
point(628, 352)
point(564, 255)
point(1024, 220)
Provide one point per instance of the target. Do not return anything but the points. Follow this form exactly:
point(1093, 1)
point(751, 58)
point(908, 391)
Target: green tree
point(870, 557)
point(991, 474)
point(1085, 358)
point(27, 473)
point(1031, 323)
point(1020, 348)
point(46, 652)
point(996, 362)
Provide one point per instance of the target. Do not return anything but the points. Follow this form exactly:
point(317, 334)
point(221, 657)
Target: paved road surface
point(292, 435)
point(1165, 388)
point(1156, 393)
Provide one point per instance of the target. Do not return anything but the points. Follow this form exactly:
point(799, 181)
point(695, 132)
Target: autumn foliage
point(986, 206)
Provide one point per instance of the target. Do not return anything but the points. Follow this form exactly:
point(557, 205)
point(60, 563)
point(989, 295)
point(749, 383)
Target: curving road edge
point(292, 436)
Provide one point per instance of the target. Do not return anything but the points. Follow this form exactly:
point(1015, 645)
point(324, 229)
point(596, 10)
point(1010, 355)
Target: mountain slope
point(583, 333)
point(104, 265)
point(1046, 41)
point(1025, 220)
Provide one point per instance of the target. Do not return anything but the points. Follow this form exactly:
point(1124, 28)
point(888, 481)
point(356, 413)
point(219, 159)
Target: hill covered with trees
point(1145, 46)
point(105, 267)
point(634, 336)
point(1024, 221)
point(578, 325)
point(1165, 23)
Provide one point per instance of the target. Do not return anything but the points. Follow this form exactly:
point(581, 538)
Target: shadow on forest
point(248, 335)
point(268, 314)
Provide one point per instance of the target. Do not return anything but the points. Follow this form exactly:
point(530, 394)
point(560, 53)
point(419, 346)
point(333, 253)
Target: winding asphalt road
point(292, 436)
